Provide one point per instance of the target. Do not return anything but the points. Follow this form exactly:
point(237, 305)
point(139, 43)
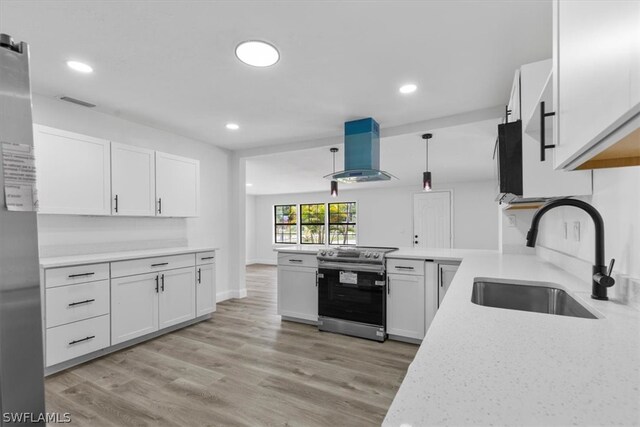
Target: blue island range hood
point(361, 153)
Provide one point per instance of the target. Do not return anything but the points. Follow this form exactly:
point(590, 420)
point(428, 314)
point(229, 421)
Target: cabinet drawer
point(76, 339)
point(76, 274)
point(149, 265)
point(206, 257)
point(302, 260)
point(406, 266)
point(66, 304)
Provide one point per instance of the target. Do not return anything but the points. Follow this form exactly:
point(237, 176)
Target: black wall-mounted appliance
point(510, 159)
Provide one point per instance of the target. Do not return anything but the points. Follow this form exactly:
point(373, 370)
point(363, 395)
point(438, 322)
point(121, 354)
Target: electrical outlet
point(565, 228)
point(511, 220)
point(576, 231)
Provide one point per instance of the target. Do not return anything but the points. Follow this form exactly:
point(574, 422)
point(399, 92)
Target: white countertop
point(489, 366)
point(118, 256)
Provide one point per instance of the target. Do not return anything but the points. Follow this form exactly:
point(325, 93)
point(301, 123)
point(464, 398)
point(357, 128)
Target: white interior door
point(432, 226)
point(133, 180)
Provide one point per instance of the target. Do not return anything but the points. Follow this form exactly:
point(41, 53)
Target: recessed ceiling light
point(249, 185)
point(232, 126)
point(408, 88)
point(257, 53)
point(80, 66)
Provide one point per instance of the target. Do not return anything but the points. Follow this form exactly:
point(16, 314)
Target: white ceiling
point(456, 154)
point(171, 64)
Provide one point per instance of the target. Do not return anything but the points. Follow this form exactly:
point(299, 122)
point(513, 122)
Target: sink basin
point(527, 296)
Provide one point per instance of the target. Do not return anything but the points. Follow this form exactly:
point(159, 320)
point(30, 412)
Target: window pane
point(342, 223)
point(312, 234)
point(312, 214)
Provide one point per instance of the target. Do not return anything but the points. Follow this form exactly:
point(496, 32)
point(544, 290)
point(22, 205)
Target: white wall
point(385, 215)
point(61, 235)
point(250, 226)
point(616, 195)
point(513, 226)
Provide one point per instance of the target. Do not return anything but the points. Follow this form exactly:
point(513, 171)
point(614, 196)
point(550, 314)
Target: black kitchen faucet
point(601, 274)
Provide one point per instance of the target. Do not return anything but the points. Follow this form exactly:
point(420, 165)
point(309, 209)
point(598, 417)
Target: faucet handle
point(610, 269)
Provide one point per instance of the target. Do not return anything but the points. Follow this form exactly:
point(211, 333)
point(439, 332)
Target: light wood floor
point(243, 367)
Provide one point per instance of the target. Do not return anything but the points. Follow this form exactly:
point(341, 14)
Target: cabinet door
point(177, 296)
point(430, 293)
point(445, 277)
point(133, 180)
point(177, 185)
point(134, 306)
point(405, 305)
point(73, 172)
point(597, 59)
point(205, 289)
point(298, 293)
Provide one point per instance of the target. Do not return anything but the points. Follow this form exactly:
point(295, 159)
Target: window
point(342, 223)
point(312, 220)
point(286, 223)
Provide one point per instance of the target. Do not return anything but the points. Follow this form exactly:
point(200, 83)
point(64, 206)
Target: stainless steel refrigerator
point(21, 358)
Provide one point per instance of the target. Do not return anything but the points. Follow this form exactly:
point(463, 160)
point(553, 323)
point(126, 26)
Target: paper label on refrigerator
point(348, 277)
point(19, 167)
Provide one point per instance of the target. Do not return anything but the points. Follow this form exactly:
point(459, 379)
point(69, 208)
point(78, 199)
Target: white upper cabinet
point(177, 185)
point(133, 180)
point(73, 171)
point(539, 178)
point(596, 73)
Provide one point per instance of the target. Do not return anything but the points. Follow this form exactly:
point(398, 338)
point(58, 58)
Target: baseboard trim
point(265, 261)
point(231, 294)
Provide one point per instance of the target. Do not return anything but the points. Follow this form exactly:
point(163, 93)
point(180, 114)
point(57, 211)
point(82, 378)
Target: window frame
point(323, 224)
point(276, 224)
point(329, 224)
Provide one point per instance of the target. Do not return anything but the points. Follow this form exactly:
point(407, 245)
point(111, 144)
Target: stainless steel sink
point(527, 296)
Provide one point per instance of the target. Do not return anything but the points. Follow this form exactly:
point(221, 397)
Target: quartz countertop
point(66, 261)
point(489, 366)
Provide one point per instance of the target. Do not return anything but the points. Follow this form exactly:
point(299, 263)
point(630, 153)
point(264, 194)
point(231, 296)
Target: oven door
point(357, 296)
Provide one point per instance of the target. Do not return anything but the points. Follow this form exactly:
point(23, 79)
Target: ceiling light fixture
point(80, 66)
point(249, 184)
point(232, 126)
point(408, 88)
point(426, 175)
point(334, 183)
point(257, 53)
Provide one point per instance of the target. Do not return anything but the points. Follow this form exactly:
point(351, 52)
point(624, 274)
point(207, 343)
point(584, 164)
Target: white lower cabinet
point(205, 289)
point(134, 306)
point(177, 296)
point(298, 292)
point(405, 305)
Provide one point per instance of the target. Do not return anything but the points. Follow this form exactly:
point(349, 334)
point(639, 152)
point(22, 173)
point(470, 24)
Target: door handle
point(157, 282)
point(200, 276)
point(388, 285)
point(440, 276)
point(116, 207)
point(160, 205)
point(543, 145)
point(162, 287)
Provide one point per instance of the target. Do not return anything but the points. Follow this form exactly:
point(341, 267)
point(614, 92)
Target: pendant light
point(426, 175)
point(334, 183)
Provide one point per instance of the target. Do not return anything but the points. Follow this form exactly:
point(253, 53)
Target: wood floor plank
point(243, 367)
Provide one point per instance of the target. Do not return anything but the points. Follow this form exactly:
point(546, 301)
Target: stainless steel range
point(352, 283)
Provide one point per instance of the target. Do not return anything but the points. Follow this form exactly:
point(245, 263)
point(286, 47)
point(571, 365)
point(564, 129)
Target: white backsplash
point(616, 195)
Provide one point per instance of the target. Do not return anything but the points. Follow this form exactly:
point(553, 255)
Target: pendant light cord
point(427, 155)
